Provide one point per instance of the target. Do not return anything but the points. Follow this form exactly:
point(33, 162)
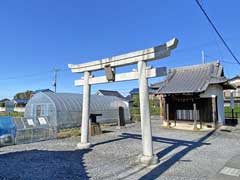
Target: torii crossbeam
point(142, 74)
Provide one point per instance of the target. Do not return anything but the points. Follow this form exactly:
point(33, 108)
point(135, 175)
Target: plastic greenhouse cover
point(7, 126)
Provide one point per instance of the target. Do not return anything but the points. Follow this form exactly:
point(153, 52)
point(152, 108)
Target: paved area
point(184, 155)
point(230, 171)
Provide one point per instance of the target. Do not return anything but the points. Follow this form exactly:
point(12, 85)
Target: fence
point(28, 131)
point(235, 115)
point(14, 130)
point(183, 114)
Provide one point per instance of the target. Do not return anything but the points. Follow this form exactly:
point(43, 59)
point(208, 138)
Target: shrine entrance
point(142, 74)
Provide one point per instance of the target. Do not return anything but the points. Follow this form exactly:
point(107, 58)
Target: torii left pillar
point(84, 144)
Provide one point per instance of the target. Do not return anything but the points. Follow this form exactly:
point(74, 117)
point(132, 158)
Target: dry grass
point(70, 132)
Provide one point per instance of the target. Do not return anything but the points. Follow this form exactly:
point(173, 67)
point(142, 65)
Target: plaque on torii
point(142, 74)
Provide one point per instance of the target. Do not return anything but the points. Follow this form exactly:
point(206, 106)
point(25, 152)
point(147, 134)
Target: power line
point(26, 76)
point(223, 61)
point(228, 62)
point(218, 33)
point(67, 69)
point(195, 47)
point(32, 75)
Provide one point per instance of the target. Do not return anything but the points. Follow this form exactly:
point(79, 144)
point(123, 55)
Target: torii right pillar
point(147, 157)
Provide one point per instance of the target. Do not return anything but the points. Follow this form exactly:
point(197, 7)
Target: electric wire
point(218, 33)
point(31, 75)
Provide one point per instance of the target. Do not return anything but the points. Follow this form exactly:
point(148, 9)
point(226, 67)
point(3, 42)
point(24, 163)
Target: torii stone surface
point(140, 58)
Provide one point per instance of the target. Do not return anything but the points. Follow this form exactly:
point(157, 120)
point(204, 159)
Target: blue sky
point(36, 36)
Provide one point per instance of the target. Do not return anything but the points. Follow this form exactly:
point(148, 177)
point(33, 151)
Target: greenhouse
point(64, 110)
point(47, 112)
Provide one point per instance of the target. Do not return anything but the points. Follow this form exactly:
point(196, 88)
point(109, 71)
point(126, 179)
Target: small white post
point(232, 103)
point(85, 113)
point(147, 156)
point(162, 107)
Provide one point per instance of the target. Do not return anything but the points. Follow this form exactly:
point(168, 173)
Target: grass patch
point(70, 132)
point(13, 114)
point(228, 109)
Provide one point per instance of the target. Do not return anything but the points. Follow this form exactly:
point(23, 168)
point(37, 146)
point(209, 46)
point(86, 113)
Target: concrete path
point(230, 171)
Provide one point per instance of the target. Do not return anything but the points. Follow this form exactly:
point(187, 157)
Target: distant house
point(235, 81)
point(20, 102)
point(41, 90)
point(109, 93)
point(128, 98)
point(156, 86)
point(200, 86)
point(3, 101)
point(151, 92)
point(2, 104)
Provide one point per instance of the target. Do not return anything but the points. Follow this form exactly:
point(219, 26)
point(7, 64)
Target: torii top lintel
point(149, 54)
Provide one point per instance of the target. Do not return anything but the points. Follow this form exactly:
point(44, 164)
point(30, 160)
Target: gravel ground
point(184, 155)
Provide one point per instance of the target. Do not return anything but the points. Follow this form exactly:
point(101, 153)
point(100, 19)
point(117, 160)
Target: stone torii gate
point(143, 72)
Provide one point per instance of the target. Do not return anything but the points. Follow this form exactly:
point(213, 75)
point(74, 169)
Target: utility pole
point(203, 57)
point(55, 79)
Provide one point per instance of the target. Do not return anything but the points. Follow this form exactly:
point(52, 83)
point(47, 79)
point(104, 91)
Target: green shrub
point(135, 109)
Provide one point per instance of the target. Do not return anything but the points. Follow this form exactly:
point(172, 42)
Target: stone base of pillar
point(83, 145)
point(166, 124)
point(195, 129)
point(216, 126)
point(148, 160)
point(162, 117)
point(120, 127)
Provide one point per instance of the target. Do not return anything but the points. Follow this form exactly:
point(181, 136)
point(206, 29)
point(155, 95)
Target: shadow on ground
point(175, 143)
point(55, 165)
point(40, 164)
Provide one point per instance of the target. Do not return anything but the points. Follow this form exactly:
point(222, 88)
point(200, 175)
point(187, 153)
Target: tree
point(24, 95)
point(153, 105)
point(135, 100)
